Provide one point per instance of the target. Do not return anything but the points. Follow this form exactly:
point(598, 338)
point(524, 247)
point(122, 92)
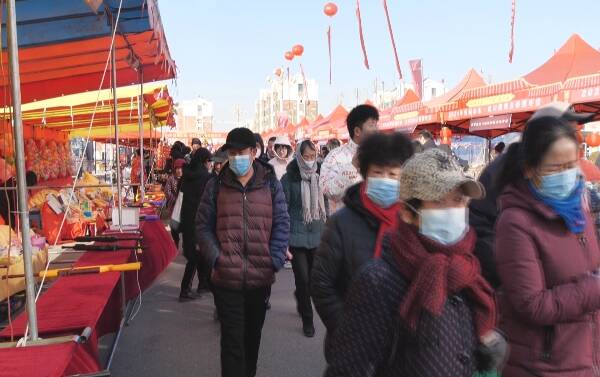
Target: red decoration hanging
point(298, 50)
point(389, 22)
point(330, 9)
point(277, 72)
point(592, 140)
point(360, 32)
point(446, 132)
point(512, 32)
point(329, 49)
point(446, 141)
point(289, 55)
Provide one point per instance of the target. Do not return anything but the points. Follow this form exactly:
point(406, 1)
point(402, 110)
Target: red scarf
point(387, 217)
point(437, 271)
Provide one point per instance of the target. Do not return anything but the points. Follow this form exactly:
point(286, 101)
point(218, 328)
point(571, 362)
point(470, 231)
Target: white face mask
point(310, 163)
point(446, 226)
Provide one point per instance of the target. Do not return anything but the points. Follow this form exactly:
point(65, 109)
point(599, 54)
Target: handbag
point(176, 214)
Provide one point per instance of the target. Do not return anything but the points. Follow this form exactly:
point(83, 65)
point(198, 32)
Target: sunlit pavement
point(168, 338)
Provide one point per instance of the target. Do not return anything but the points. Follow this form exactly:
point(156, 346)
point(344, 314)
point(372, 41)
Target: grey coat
point(302, 235)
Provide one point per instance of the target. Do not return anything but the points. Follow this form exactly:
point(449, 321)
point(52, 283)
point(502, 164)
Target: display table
point(75, 302)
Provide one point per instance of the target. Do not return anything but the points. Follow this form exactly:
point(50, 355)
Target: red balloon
point(278, 72)
point(298, 50)
point(289, 55)
point(330, 9)
point(593, 140)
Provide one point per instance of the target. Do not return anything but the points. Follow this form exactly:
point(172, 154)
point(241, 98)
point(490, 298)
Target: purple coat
point(549, 300)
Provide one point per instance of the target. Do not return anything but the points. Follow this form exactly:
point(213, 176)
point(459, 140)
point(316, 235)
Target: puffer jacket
point(373, 340)
point(243, 232)
point(348, 242)
point(549, 299)
point(302, 235)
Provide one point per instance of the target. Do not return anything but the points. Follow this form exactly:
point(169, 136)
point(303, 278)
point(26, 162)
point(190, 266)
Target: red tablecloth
point(75, 302)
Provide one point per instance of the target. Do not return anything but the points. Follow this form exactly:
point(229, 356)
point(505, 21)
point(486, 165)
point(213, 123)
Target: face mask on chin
point(446, 226)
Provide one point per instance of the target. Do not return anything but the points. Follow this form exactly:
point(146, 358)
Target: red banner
point(416, 67)
point(389, 22)
point(497, 122)
point(512, 32)
point(329, 47)
point(360, 33)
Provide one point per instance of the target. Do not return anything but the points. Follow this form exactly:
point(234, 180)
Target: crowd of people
point(414, 268)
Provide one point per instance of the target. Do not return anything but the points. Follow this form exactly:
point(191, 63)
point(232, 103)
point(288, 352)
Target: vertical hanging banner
point(416, 68)
point(512, 32)
point(360, 33)
point(389, 22)
point(329, 47)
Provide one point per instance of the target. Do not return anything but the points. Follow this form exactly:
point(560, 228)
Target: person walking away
point(242, 228)
point(339, 170)
point(354, 234)
point(422, 309)
point(171, 193)
point(284, 154)
point(426, 140)
point(136, 170)
point(260, 147)
point(547, 256)
point(195, 178)
point(306, 207)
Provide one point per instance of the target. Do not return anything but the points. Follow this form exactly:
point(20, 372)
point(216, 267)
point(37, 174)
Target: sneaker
point(308, 329)
point(186, 296)
point(287, 265)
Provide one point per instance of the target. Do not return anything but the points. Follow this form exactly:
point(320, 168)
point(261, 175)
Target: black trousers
point(175, 235)
point(242, 316)
point(193, 264)
point(302, 263)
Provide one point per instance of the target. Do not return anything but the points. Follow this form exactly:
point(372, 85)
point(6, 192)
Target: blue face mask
point(385, 192)
point(239, 164)
point(446, 226)
point(558, 185)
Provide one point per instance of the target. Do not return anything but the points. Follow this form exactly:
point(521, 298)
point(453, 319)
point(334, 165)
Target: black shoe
point(308, 329)
point(186, 296)
point(202, 290)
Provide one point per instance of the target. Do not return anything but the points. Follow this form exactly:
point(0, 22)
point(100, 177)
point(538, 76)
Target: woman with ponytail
point(547, 257)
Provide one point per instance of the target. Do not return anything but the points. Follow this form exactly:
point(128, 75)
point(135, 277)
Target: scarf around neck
point(436, 271)
point(387, 217)
point(570, 209)
point(313, 201)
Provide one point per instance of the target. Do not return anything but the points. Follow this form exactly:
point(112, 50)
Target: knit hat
point(433, 174)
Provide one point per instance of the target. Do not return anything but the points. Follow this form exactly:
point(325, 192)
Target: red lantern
point(446, 132)
point(298, 50)
point(592, 140)
point(446, 140)
point(330, 9)
point(289, 55)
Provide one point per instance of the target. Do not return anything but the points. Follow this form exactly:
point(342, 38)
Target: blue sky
point(225, 49)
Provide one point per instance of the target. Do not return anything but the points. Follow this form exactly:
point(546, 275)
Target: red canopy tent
point(328, 127)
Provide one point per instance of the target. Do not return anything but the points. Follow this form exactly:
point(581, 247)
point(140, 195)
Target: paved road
point(168, 338)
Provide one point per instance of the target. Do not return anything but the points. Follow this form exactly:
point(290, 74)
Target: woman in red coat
point(547, 257)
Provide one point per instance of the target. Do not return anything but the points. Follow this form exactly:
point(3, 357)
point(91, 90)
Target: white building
point(384, 99)
point(195, 115)
point(286, 100)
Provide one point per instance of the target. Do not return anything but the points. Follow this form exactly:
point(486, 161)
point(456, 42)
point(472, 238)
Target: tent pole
point(141, 125)
point(113, 68)
point(13, 60)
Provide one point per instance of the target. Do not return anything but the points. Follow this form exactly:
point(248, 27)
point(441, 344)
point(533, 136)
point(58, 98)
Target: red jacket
point(548, 298)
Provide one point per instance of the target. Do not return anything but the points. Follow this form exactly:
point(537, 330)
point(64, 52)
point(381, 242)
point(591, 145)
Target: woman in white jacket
point(283, 155)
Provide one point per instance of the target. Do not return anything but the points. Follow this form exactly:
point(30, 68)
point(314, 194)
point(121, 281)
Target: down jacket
point(302, 235)
point(549, 297)
point(243, 232)
point(348, 242)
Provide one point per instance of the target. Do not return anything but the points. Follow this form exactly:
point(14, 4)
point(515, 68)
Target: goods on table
point(48, 159)
point(7, 169)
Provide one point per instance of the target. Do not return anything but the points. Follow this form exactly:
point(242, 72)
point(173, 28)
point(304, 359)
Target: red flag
point(389, 22)
point(512, 32)
point(360, 32)
point(329, 44)
point(304, 81)
point(416, 67)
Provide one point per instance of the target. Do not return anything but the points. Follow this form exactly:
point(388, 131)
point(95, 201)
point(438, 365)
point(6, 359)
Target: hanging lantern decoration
point(593, 139)
point(298, 50)
point(330, 9)
point(446, 133)
point(289, 55)
point(446, 140)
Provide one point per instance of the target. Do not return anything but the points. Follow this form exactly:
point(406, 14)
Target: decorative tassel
point(360, 32)
point(512, 32)
point(389, 22)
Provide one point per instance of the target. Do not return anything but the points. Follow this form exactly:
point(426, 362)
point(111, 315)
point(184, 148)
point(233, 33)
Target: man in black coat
point(195, 177)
